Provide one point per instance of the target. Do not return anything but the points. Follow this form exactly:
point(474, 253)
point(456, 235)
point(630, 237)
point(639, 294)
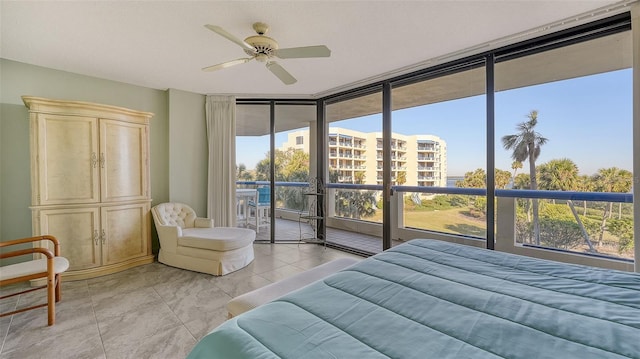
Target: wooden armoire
point(90, 183)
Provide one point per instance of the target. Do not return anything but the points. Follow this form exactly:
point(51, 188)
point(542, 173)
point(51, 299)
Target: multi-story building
point(356, 157)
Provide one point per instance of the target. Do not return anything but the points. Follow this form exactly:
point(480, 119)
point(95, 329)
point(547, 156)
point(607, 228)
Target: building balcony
point(426, 150)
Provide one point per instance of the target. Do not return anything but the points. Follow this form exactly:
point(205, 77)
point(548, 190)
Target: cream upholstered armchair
point(193, 243)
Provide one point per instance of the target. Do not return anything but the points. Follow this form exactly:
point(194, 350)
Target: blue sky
point(587, 119)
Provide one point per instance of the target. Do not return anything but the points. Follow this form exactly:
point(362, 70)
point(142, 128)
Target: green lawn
point(452, 220)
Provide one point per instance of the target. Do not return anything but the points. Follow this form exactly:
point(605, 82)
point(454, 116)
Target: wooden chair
point(49, 268)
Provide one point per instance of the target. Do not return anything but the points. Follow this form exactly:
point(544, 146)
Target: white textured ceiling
point(163, 44)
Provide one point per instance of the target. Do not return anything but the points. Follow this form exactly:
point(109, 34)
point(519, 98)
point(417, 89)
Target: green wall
point(188, 150)
point(17, 79)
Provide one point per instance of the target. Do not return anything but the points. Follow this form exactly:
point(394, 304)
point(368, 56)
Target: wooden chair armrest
point(22, 252)
point(54, 240)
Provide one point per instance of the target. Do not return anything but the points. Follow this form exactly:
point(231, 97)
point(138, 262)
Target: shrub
point(623, 229)
point(560, 233)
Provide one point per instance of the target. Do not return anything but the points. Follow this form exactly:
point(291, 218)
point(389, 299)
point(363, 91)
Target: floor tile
point(281, 273)
point(135, 326)
point(82, 343)
point(234, 286)
point(264, 263)
point(206, 322)
point(174, 342)
point(194, 299)
point(117, 305)
point(30, 328)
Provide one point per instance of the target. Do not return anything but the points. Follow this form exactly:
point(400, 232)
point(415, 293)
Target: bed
point(433, 299)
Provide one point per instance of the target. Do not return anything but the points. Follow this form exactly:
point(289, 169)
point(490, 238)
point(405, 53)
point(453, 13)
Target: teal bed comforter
point(432, 299)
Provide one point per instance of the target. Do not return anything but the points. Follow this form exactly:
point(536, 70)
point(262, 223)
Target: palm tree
point(502, 178)
point(526, 147)
point(515, 166)
point(585, 184)
point(474, 179)
point(401, 178)
point(559, 175)
point(521, 181)
point(562, 175)
point(242, 174)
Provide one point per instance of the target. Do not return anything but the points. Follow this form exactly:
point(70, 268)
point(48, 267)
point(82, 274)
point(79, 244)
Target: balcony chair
point(49, 268)
point(261, 208)
point(193, 243)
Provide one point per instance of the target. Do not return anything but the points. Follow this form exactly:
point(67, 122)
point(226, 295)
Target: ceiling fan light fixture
point(260, 27)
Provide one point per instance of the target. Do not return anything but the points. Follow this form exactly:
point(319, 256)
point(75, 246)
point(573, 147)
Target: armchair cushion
point(217, 239)
point(60, 265)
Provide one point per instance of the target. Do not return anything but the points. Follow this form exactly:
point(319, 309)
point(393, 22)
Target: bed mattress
point(433, 299)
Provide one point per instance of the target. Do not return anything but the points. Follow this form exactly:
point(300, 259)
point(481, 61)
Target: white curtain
point(221, 135)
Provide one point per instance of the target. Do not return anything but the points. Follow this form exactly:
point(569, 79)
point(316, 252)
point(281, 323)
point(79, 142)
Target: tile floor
point(151, 311)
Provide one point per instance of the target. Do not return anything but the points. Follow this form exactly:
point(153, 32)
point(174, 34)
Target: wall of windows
point(528, 147)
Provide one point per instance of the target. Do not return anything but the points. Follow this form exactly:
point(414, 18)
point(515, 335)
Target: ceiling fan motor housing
point(263, 45)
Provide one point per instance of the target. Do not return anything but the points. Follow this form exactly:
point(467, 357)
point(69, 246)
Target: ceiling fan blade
point(227, 64)
point(281, 73)
point(300, 52)
point(222, 32)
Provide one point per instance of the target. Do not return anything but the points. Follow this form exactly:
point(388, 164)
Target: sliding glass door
point(253, 163)
point(354, 171)
point(439, 153)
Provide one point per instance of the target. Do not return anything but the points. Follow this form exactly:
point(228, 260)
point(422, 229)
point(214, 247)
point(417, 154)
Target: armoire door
point(68, 159)
point(78, 230)
point(125, 232)
point(123, 161)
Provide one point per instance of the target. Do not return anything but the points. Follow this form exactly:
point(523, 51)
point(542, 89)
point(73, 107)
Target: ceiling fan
point(263, 48)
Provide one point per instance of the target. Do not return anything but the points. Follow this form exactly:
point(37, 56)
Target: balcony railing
point(581, 227)
point(573, 222)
